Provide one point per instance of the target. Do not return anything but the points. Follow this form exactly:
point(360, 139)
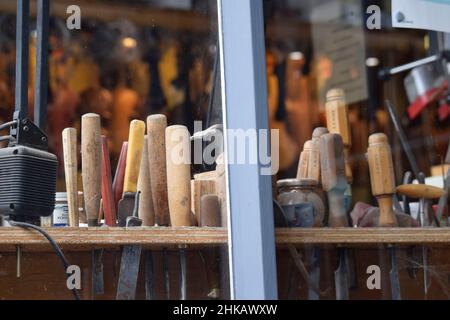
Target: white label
point(61, 215)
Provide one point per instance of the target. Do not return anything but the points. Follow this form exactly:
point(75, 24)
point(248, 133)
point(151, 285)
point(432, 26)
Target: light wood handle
point(91, 165)
point(198, 189)
point(156, 130)
point(178, 157)
point(333, 177)
point(418, 191)
point(210, 211)
point(382, 176)
point(314, 154)
point(146, 212)
point(302, 170)
point(119, 175)
point(338, 122)
point(134, 155)
point(108, 203)
point(69, 139)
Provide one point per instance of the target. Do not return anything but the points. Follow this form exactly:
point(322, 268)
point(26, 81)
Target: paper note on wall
point(421, 14)
point(338, 39)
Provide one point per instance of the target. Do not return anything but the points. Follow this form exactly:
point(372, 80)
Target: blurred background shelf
point(84, 239)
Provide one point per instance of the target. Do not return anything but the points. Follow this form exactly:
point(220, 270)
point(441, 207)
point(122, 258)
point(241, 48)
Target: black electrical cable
point(52, 243)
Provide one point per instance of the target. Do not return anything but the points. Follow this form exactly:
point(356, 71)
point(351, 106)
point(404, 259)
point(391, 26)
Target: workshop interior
point(95, 206)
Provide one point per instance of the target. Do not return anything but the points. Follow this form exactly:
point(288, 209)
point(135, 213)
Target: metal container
point(301, 193)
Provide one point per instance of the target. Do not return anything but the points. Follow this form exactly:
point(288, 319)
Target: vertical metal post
point(244, 99)
point(40, 86)
point(22, 32)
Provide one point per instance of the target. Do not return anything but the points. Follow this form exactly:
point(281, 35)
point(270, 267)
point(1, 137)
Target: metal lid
point(297, 183)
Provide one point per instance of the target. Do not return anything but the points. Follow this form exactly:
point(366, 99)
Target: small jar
point(302, 191)
point(61, 211)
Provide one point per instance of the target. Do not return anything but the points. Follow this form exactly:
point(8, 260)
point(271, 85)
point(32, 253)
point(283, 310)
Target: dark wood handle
point(108, 202)
point(119, 176)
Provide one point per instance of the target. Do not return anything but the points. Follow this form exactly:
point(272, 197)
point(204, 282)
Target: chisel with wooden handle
point(314, 155)
point(382, 181)
point(302, 170)
point(156, 141)
point(119, 175)
point(210, 217)
point(418, 191)
point(69, 139)
point(178, 157)
point(108, 203)
point(91, 172)
point(128, 212)
point(334, 183)
point(134, 156)
point(147, 215)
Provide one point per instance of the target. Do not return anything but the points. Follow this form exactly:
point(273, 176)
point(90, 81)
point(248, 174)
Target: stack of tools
point(324, 166)
point(152, 187)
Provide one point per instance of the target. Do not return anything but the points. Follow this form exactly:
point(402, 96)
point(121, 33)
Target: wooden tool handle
point(199, 188)
point(382, 176)
point(210, 211)
point(119, 175)
point(314, 154)
point(418, 191)
point(134, 155)
point(69, 139)
point(146, 212)
point(333, 177)
point(302, 170)
point(178, 157)
point(337, 122)
point(91, 165)
point(108, 203)
point(156, 128)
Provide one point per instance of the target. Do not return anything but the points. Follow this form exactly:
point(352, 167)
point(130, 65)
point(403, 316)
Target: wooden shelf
point(83, 239)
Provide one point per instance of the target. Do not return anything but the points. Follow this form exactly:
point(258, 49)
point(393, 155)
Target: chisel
point(156, 130)
point(134, 156)
point(313, 254)
point(210, 217)
point(382, 182)
point(108, 203)
point(337, 116)
point(147, 215)
point(128, 212)
point(91, 171)
point(69, 139)
point(178, 157)
point(302, 170)
point(334, 183)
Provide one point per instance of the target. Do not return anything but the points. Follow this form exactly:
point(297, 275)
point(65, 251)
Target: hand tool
point(407, 179)
point(91, 171)
point(442, 204)
point(336, 110)
point(178, 157)
point(210, 217)
point(108, 201)
point(119, 175)
point(314, 154)
point(420, 191)
point(147, 215)
point(199, 189)
point(334, 183)
point(69, 138)
point(131, 258)
point(383, 188)
point(302, 170)
point(156, 130)
point(134, 156)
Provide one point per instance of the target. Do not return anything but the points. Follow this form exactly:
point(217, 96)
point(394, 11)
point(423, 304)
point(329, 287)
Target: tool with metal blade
point(108, 202)
point(147, 215)
point(178, 157)
point(131, 258)
point(69, 139)
point(91, 171)
point(383, 188)
point(156, 130)
point(412, 265)
point(134, 156)
point(334, 183)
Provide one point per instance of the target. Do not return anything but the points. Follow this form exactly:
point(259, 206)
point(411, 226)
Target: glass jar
point(298, 192)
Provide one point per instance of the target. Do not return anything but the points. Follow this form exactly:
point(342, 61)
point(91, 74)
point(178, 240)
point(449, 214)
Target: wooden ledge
point(84, 239)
